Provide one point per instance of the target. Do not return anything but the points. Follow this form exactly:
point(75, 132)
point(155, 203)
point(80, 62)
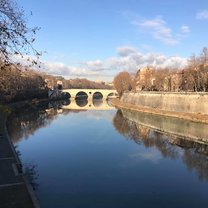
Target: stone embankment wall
point(176, 102)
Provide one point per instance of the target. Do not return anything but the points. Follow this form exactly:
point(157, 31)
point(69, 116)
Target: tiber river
point(109, 158)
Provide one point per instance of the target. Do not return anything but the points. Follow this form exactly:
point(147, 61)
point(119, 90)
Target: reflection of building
point(144, 131)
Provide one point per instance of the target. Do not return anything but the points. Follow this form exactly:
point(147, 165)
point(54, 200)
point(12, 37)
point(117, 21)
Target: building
point(145, 79)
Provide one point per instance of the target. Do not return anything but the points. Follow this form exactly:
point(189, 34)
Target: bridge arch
point(88, 93)
point(66, 95)
point(97, 95)
point(112, 94)
point(81, 94)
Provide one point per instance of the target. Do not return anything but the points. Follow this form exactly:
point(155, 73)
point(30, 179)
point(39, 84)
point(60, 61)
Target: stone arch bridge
point(90, 93)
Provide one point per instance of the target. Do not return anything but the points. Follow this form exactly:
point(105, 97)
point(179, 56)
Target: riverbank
point(196, 117)
point(15, 189)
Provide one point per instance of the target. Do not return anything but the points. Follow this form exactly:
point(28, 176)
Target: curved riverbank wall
point(186, 102)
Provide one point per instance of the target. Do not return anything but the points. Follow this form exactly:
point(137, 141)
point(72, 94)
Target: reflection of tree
point(195, 155)
point(22, 123)
point(162, 143)
point(196, 161)
point(141, 134)
point(126, 127)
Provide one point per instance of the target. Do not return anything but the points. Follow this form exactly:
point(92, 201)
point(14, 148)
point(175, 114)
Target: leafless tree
point(123, 82)
point(15, 37)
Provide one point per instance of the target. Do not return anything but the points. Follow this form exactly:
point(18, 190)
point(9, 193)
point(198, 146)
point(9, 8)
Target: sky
point(96, 39)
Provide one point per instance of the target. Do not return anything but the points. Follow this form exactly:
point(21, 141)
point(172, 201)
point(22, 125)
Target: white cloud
point(159, 30)
point(126, 51)
point(203, 15)
point(138, 59)
point(128, 59)
point(97, 64)
point(66, 70)
point(185, 29)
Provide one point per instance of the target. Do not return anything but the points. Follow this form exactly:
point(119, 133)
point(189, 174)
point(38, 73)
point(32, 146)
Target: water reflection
point(81, 102)
point(97, 102)
point(193, 153)
point(81, 161)
point(31, 171)
point(24, 122)
point(66, 102)
point(85, 104)
point(165, 134)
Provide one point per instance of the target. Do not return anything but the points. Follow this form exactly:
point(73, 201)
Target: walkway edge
point(27, 183)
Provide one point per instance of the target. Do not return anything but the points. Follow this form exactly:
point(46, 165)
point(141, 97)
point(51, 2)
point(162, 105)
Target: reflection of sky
point(141, 156)
point(152, 155)
point(98, 115)
point(83, 162)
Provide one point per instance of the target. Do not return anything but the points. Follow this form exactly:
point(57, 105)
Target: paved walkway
point(14, 190)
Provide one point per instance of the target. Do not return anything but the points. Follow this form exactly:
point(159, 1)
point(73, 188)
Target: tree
point(15, 37)
point(122, 82)
point(204, 56)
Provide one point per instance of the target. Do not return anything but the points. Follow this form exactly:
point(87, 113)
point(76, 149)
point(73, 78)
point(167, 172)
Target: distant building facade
point(145, 79)
point(149, 79)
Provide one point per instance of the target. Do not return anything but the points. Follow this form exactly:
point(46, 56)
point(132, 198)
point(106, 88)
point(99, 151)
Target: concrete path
point(15, 191)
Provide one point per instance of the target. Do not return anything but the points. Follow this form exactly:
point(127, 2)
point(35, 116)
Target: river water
point(109, 158)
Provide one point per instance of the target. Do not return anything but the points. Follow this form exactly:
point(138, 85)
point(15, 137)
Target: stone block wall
point(177, 102)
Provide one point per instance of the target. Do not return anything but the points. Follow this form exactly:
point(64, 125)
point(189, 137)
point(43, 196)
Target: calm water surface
point(101, 158)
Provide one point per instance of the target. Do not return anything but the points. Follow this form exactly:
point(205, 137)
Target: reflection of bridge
point(90, 93)
point(86, 105)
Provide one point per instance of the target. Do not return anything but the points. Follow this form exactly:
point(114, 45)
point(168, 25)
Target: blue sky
point(98, 38)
